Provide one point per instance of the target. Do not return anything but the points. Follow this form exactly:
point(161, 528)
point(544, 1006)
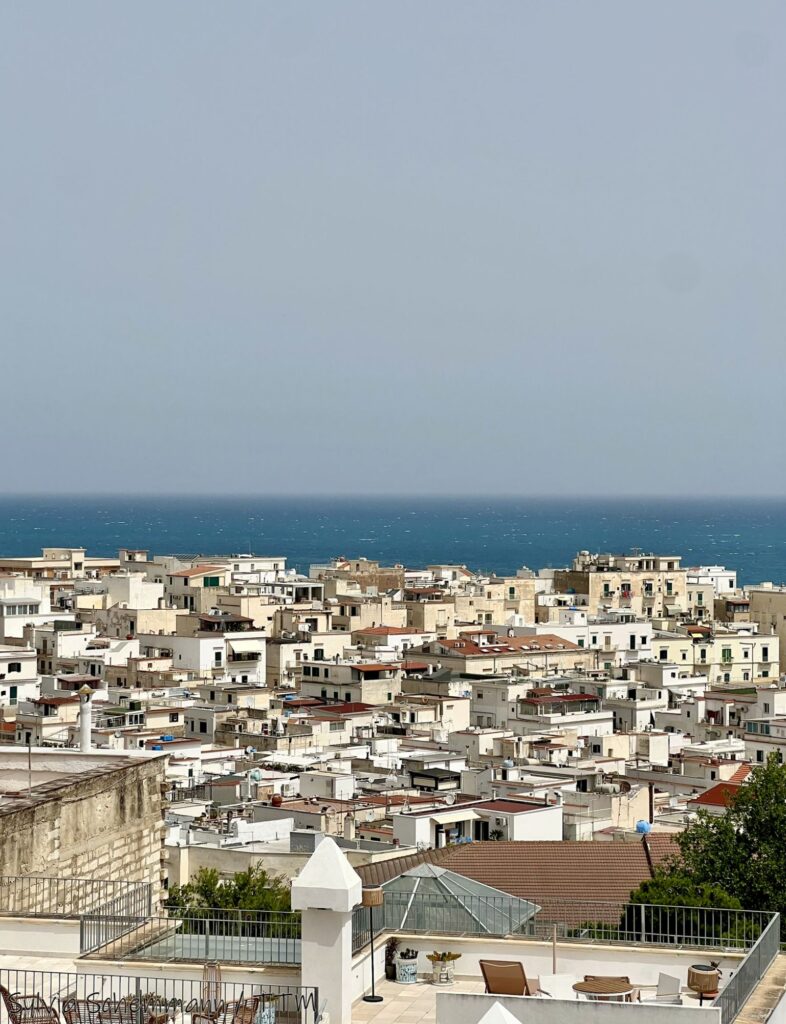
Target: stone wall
point(101, 823)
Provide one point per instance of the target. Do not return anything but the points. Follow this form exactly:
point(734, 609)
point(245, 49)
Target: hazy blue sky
point(529, 246)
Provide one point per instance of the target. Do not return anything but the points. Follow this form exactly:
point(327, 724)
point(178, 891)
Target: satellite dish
point(450, 799)
point(369, 816)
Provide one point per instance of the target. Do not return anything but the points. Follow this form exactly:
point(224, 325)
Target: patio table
point(604, 988)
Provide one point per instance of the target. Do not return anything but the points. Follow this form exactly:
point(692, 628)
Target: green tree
point(254, 889)
point(729, 861)
point(743, 851)
point(211, 905)
point(674, 904)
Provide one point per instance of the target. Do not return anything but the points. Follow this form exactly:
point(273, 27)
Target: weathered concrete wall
point(103, 823)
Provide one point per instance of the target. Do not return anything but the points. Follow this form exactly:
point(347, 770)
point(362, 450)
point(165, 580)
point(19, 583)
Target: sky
point(516, 247)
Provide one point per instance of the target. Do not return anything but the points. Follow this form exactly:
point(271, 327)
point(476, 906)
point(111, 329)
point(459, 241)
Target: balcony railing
point(741, 984)
point(173, 997)
point(571, 920)
point(41, 896)
point(229, 936)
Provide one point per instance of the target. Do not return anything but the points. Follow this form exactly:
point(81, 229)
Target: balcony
point(157, 997)
point(572, 940)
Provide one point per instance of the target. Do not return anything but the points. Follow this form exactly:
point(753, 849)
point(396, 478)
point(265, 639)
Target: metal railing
point(157, 995)
point(614, 923)
point(229, 936)
point(741, 984)
point(361, 926)
point(42, 896)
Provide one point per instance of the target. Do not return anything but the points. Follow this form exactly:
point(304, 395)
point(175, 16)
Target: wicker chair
point(28, 1009)
point(240, 1011)
point(106, 1011)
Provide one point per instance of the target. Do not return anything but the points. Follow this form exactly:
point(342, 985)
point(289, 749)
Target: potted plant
point(442, 967)
point(391, 946)
point(407, 967)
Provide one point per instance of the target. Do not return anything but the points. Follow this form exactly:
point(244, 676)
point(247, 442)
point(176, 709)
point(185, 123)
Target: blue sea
point(490, 534)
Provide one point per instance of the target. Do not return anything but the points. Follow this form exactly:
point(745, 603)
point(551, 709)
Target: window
point(174, 716)
point(14, 666)
point(726, 655)
point(190, 726)
point(766, 709)
point(581, 641)
point(203, 726)
point(765, 654)
point(663, 654)
point(347, 696)
point(760, 756)
point(218, 657)
point(669, 587)
point(632, 641)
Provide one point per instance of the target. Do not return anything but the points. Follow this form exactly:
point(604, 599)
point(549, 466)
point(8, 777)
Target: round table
point(604, 988)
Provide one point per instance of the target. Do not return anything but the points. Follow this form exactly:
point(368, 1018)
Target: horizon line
point(386, 496)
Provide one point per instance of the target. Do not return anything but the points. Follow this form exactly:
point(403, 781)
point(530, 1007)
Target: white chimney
point(85, 719)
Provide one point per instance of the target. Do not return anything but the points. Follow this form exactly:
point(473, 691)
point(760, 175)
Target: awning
point(246, 646)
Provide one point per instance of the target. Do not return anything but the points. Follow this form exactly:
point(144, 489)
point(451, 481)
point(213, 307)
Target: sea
point(497, 535)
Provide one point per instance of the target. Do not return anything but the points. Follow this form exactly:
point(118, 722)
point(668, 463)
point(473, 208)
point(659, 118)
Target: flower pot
point(442, 972)
point(406, 971)
point(390, 971)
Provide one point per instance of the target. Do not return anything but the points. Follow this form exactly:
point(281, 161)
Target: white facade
point(722, 580)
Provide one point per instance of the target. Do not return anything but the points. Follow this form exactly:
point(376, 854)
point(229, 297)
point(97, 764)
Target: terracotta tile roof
point(742, 773)
point(464, 646)
point(548, 873)
point(719, 795)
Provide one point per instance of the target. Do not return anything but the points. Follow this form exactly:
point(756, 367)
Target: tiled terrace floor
point(408, 1004)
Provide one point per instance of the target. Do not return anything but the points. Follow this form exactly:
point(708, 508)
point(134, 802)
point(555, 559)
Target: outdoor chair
point(506, 978)
point(240, 1011)
point(28, 1009)
point(108, 1011)
point(81, 1011)
point(666, 991)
